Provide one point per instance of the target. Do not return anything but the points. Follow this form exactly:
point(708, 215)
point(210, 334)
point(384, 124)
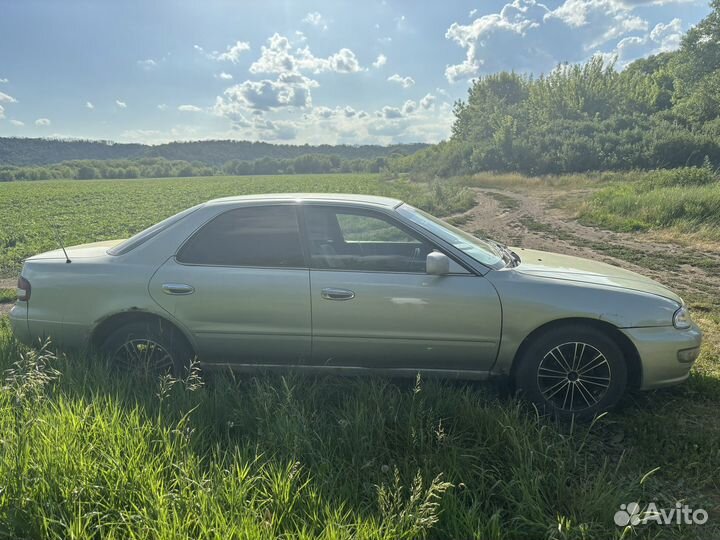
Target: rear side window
point(143, 236)
point(266, 236)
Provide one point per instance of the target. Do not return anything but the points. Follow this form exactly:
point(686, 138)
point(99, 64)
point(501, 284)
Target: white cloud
point(289, 90)
point(528, 36)
point(405, 82)
point(147, 65)
point(42, 122)
point(162, 106)
point(189, 108)
point(344, 61)
point(380, 62)
point(17, 123)
point(472, 13)
point(89, 105)
point(427, 101)
point(278, 56)
point(121, 104)
point(224, 76)
point(4, 98)
point(316, 19)
point(275, 130)
point(232, 53)
point(390, 112)
point(662, 38)
point(407, 122)
point(2, 112)
point(4, 80)
point(409, 107)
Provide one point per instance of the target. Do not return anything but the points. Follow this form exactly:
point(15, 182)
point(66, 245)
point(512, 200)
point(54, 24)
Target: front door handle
point(331, 293)
point(177, 288)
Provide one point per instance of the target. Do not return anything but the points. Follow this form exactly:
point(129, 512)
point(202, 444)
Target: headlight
point(681, 319)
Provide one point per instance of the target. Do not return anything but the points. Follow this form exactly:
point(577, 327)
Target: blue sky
point(338, 71)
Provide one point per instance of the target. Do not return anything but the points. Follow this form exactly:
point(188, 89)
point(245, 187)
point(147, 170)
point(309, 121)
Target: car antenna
point(59, 241)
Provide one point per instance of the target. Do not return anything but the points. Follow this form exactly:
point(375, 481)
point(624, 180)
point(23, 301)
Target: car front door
point(241, 286)
point(373, 304)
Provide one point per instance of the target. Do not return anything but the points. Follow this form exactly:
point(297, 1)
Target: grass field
point(93, 210)
point(88, 453)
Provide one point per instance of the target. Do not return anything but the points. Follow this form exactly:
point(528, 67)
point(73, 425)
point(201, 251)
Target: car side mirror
point(437, 264)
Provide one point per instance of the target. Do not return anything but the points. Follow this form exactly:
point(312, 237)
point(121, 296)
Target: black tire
point(148, 346)
point(573, 370)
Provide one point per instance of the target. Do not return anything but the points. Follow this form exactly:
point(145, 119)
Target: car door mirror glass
point(437, 264)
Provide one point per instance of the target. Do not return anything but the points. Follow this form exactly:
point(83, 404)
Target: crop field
point(88, 453)
point(93, 210)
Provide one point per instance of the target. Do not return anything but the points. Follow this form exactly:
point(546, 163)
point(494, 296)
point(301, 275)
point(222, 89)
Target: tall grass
point(90, 453)
point(686, 199)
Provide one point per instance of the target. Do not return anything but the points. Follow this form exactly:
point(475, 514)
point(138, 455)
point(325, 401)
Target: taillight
point(23, 289)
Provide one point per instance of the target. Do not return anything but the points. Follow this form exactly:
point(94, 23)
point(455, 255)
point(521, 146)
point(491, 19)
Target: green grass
point(87, 211)
point(7, 296)
point(686, 200)
point(90, 453)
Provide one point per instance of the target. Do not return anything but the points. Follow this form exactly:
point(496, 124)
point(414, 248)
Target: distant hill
point(33, 152)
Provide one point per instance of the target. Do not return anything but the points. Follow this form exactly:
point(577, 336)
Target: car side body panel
point(530, 301)
point(405, 320)
point(240, 314)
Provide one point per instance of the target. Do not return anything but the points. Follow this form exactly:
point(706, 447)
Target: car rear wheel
point(572, 371)
point(149, 347)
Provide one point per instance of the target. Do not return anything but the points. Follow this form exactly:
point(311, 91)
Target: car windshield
point(145, 235)
point(483, 251)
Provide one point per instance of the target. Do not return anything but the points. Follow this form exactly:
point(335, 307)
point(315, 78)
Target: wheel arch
point(106, 326)
point(630, 352)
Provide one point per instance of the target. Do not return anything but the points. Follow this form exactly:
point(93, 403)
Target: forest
point(23, 152)
point(159, 167)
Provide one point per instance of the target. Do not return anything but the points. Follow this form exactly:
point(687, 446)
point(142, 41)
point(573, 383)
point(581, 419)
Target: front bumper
point(19, 323)
point(666, 353)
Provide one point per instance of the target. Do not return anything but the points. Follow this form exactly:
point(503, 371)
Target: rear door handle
point(331, 293)
point(177, 288)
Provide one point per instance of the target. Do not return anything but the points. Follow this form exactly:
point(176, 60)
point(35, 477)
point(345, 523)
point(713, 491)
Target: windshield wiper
point(511, 258)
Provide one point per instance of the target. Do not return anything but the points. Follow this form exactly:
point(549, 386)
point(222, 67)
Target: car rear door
point(240, 285)
point(373, 305)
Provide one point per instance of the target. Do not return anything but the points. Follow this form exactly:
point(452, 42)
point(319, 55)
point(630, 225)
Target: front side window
point(265, 236)
point(349, 239)
point(479, 249)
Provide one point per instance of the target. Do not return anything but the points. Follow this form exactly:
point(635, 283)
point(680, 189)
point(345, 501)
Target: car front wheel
point(572, 371)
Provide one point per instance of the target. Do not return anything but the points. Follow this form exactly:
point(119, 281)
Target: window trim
point(212, 218)
point(303, 207)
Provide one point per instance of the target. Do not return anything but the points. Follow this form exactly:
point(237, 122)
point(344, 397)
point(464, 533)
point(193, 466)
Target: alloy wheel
point(574, 376)
point(144, 355)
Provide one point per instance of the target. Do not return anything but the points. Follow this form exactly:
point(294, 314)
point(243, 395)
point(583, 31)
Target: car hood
point(82, 251)
point(566, 267)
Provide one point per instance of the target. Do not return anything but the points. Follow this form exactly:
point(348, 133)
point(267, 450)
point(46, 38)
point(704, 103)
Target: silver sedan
point(358, 284)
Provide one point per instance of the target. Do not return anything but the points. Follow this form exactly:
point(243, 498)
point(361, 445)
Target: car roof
point(371, 200)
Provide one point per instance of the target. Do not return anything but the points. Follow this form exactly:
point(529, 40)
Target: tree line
point(659, 112)
point(21, 152)
point(164, 168)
